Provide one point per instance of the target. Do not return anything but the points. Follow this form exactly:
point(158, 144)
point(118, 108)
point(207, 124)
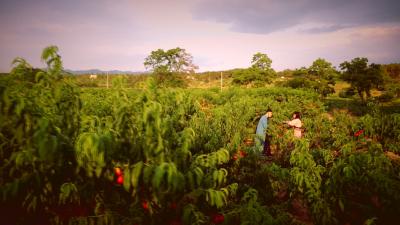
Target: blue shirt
point(261, 127)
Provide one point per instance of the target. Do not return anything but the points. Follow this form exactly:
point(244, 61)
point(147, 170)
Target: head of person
point(296, 115)
point(269, 113)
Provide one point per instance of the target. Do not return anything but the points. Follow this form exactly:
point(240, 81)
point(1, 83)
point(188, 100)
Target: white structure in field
point(93, 76)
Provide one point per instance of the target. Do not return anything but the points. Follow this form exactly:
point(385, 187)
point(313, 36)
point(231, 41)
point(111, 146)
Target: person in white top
point(296, 124)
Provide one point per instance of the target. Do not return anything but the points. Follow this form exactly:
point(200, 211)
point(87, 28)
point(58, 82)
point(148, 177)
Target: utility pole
point(221, 81)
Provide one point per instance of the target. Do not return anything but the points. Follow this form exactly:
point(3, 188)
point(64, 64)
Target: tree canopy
point(361, 76)
point(319, 77)
point(173, 60)
point(261, 61)
point(259, 73)
point(323, 69)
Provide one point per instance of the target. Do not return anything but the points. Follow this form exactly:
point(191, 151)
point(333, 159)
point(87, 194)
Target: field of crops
point(186, 156)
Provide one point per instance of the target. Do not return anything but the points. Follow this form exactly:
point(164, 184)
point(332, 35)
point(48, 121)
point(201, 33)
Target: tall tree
point(175, 60)
point(261, 61)
point(259, 73)
point(361, 76)
point(318, 77)
point(323, 69)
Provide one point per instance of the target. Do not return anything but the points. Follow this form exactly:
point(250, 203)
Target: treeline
point(175, 68)
point(321, 76)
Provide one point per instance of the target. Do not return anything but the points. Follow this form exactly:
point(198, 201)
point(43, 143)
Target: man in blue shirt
point(262, 141)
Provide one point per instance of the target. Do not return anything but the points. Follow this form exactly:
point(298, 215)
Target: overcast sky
point(220, 34)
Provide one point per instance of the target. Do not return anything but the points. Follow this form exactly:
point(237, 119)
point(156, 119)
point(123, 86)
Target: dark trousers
point(267, 146)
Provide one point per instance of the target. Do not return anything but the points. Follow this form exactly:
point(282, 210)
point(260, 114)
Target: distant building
point(93, 76)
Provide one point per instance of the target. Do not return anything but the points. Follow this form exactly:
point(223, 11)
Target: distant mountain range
point(97, 71)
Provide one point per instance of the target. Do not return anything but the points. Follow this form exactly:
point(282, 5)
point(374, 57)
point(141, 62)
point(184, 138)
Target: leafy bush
point(252, 76)
point(178, 156)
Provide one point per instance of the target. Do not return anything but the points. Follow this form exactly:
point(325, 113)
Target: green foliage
point(299, 82)
point(361, 76)
point(323, 69)
point(167, 66)
point(382, 127)
point(39, 122)
point(173, 60)
point(320, 77)
point(253, 76)
point(392, 91)
point(307, 179)
point(53, 60)
point(357, 176)
point(259, 74)
point(68, 193)
point(261, 61)
point(181, 155)
point(169, 79)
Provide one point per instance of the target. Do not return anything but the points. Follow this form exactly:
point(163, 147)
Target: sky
point(219, 34)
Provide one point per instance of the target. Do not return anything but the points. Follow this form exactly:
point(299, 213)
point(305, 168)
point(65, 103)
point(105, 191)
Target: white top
point(296, 124)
